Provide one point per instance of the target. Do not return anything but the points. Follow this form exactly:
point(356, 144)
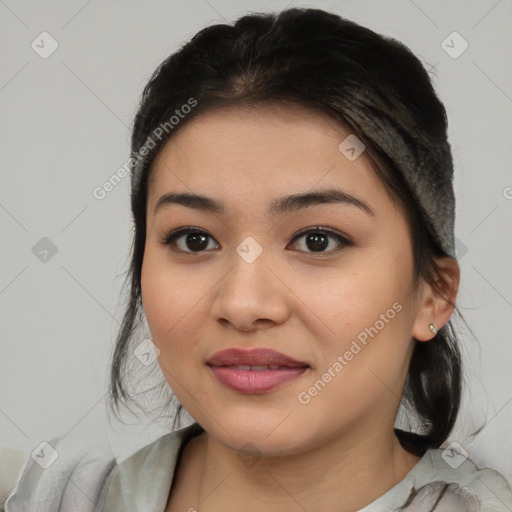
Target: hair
point(318, 60)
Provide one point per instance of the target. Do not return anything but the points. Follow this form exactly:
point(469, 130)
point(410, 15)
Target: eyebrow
point(282, 205)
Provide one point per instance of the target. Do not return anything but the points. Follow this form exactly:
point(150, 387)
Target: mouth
point(258, 368)
point(255, 358)
point(255, 371)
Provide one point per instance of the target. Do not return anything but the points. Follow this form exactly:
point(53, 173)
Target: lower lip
point(255, 381)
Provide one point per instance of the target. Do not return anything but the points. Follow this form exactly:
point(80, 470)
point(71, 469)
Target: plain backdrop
point(65, 121)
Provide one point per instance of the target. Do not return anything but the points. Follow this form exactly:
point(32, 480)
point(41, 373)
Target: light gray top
point(440, 481)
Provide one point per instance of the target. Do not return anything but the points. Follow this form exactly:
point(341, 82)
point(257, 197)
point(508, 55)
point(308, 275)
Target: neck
point(343, 474)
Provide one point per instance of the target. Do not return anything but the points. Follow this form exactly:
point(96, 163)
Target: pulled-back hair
point(369, 83)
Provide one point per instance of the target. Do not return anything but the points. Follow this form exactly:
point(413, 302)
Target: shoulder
point(70, 473)
point(64, 472)
point(142, 480)
point(449, 479)
point(151, 454)
point(11, 464)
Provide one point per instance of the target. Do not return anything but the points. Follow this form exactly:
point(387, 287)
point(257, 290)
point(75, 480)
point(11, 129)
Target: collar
point(142, 482)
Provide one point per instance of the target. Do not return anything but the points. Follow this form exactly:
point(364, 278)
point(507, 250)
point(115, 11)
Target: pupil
point(317, 242)
point(196, 242)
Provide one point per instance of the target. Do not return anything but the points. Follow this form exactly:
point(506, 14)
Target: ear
point(437, 301)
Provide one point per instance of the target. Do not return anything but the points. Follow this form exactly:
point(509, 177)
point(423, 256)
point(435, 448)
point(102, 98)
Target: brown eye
point(187, 240)
point(317, 240)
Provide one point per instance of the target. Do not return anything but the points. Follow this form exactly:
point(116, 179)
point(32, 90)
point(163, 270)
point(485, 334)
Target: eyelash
point(170, 238)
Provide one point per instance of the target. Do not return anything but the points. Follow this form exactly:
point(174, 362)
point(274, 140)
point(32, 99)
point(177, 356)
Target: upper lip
point(252, 357)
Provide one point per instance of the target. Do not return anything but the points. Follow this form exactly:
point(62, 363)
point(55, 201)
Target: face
point(328, 284)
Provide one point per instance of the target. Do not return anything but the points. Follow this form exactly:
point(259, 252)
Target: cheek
point(173, 298)
point(367, 317)
point(159, 297)
point(347, 302)
point(362, 367)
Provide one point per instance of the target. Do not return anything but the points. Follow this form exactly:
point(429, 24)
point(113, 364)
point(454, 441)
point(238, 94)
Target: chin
point(268, 435)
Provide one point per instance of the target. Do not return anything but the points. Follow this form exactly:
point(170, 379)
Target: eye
point(317, 240)
point(188, 239)
point(194, 240)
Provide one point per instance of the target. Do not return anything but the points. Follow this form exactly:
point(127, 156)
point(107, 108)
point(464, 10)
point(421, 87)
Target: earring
point(433, 329)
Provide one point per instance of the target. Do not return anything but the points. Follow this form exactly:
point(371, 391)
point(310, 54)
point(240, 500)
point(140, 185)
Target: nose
point(251, 296)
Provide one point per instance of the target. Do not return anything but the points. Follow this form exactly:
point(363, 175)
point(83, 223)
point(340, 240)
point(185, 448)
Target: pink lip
point(254, 381)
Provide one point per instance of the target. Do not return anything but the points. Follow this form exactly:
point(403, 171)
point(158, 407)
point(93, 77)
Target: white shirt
point(87, 480)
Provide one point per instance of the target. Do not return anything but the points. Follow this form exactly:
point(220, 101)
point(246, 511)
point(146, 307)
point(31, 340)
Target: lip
point(253, 357)
point(224, 365)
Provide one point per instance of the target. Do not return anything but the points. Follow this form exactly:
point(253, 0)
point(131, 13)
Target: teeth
point(256, 368)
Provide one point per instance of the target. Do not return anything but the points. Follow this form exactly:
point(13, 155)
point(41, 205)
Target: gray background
point(65, 130)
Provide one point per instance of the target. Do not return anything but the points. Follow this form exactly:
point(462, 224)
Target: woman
point(294, 259)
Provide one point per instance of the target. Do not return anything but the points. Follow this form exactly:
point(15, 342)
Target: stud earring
point(433, 329)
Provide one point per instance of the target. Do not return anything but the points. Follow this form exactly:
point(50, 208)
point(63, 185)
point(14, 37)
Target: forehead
point(254, 154)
